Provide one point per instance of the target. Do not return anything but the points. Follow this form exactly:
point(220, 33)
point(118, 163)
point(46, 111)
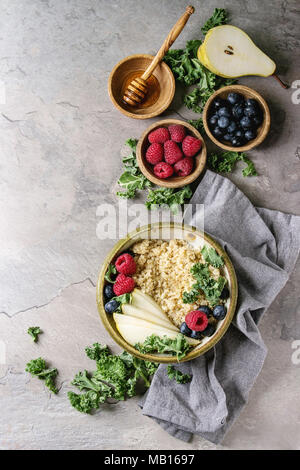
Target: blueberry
point(238, 110)
point(232, 127)
point(223, 122)
point(251, 102)
point(196, 334)
point(218, 132)
point(225, 293)
point(236, 142)
point(219, 312)
point(218, 102)
point(250, 134)
point(250, 111)
point(246, 122)
point(257, 120)
point(111, 306)
point(239, 134)
point(228, 137)
point(185, 330)
point(108, 291)
point(206, 310)
point(224, 112)
point(213, 120)
point(209, 330)
point(234, 98)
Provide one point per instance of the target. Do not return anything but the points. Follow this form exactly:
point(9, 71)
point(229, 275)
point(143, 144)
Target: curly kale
point(116, 377)
point(34, 331)
point(178, 376)
point(178, 346)
point(37, 368)
point(211, 257)
point(188, 70)
point(218, 18)
point(212, 288)
point(225, 162)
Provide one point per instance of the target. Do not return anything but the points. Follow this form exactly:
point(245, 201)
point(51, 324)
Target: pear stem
point(284, 85)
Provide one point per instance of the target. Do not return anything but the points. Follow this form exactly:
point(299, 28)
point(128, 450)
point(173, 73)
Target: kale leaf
point(111, 271)
point(212, 288)
point(198, 124)
point(132, 179)
point(116, 377)
point(168, 197)
point(211, 256)
point(175, 374)
point(178, 346)
point(37, 368)
point(224, 162)
point(188, 70)
point(218, 18)
point(34, 331)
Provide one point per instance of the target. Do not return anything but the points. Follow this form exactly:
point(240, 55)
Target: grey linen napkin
point(263, 246)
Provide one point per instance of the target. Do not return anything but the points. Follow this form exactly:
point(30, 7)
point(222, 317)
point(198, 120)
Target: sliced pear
point(135, 330)
point(229, 52)
point(133, 311)
point(144, 301)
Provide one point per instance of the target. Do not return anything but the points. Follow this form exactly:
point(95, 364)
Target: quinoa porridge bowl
point(167, 292)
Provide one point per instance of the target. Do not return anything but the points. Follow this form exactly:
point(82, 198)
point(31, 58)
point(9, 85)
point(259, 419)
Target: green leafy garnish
point(132, 179)
point(122, 299)
point(178, 346)
point(168, 197)
point(37, 368)
point(111, 270)
point(212, 288)
point(211, 256)
point(34, 331)
point(198, 124)
point(218, 18)
point(175, 374)
point(116, 377)
point(225, 162)
point(188, 70)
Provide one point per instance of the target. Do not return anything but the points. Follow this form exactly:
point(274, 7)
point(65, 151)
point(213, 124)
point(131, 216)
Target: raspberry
point(163, 170)
point(177, 132)
point(172, 152)
point(125, 264)
point(191, 146)
point(155, 153)
point(184, 167)
point(123, 284)
point(159, 136)
point(196, 320)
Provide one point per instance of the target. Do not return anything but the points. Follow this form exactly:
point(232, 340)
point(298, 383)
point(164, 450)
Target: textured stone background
point(60, 140)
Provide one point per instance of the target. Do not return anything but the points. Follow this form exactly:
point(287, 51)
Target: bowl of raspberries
point(171, 153)
point(236, 118)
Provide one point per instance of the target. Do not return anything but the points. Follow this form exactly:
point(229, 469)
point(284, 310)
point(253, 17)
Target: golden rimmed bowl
point(173, 181)
point(247, 92)
point(167, 231)
point(161, 86)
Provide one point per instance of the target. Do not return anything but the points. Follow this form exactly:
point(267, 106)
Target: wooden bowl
point(262, 131)
point(173, 181)
point(167, 231)
point(161, 86)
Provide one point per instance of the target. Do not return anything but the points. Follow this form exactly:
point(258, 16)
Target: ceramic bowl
point(168, 231)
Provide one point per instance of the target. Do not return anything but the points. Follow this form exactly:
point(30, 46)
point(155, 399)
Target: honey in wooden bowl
point(161, 86)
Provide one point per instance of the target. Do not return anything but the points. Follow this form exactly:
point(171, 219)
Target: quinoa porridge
point(163, 272)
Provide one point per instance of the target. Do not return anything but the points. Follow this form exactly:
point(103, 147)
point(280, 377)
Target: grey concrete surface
point(60, 141)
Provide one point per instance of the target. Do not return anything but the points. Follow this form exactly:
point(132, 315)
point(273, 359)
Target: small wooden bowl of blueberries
point(236, 118)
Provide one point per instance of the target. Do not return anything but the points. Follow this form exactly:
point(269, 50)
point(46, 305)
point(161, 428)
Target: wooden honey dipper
point(136, 91)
